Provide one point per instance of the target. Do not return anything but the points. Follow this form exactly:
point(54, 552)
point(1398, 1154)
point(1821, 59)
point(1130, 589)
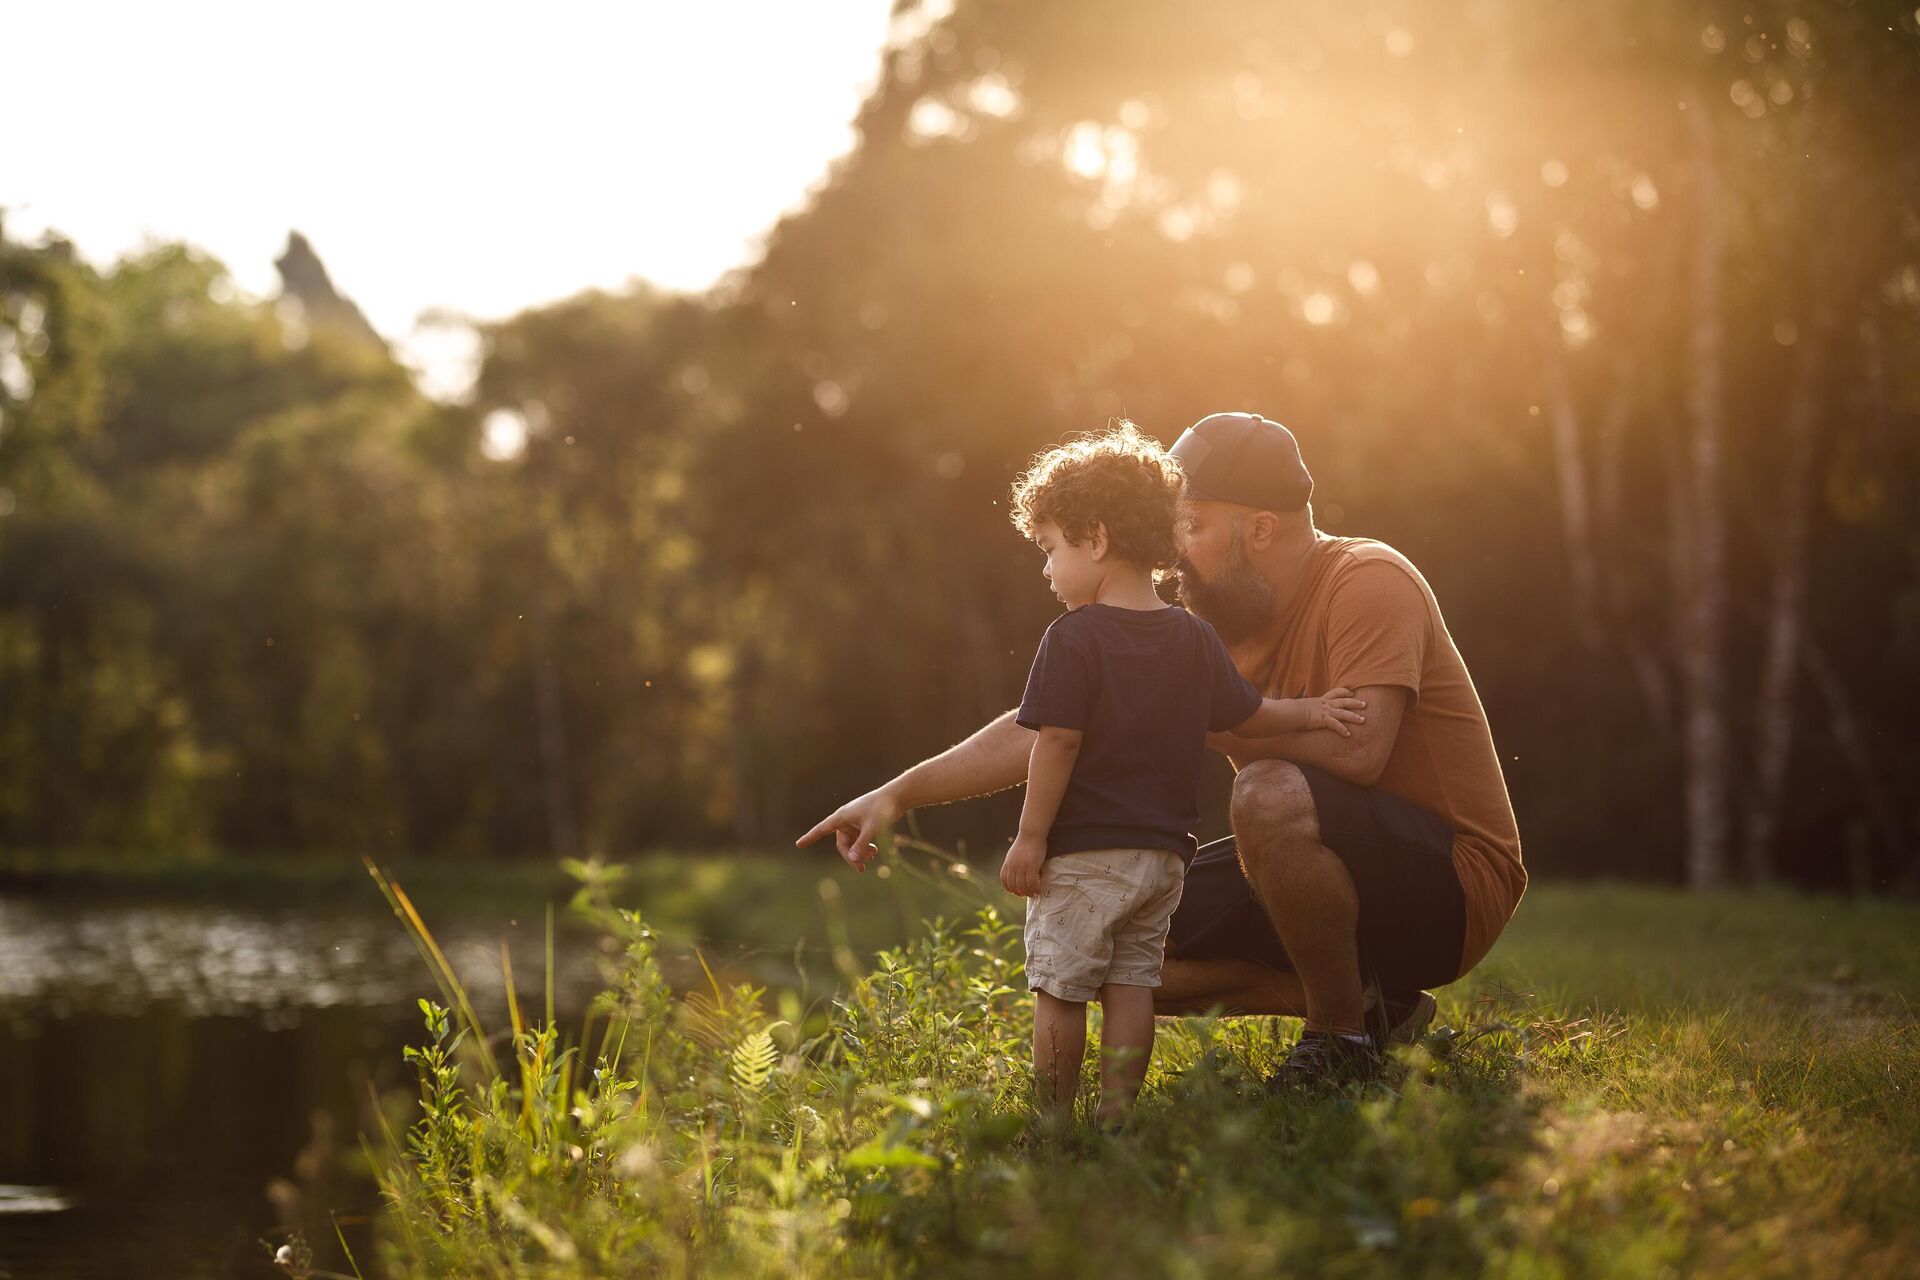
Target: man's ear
point(1097, 541)
point(1261, 527)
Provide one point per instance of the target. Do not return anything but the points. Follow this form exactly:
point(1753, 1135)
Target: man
point(1361, 869)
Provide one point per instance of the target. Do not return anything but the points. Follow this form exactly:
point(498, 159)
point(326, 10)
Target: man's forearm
point(992, 759)
point(1329, 751)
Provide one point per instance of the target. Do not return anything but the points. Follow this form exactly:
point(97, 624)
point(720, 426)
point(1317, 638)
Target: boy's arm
point(1334, 709)
point(1054, 752)
point(1361, 758)
point(1276, 715)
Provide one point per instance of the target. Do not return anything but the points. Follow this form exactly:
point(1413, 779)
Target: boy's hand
point(1020, 873)
point(1335, 709)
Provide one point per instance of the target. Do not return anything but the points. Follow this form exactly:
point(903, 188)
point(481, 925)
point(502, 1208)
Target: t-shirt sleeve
point(1233, 697)
point(1060, 687)
point(1378, 628)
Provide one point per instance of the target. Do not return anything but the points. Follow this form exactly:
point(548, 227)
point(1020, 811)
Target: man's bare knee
point(1273, 806)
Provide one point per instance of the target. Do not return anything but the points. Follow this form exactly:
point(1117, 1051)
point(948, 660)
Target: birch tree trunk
point(1785, 621)
point(1703, 622)
point(1589, 517)
point(1576, 520)
point(1851, 736)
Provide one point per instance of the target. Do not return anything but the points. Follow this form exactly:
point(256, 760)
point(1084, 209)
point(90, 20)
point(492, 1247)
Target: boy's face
point(1074, 572)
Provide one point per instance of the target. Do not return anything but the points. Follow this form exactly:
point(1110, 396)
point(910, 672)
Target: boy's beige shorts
point(1101, 916)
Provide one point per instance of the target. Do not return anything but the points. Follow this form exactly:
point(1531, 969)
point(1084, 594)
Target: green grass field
point(1642, 1083)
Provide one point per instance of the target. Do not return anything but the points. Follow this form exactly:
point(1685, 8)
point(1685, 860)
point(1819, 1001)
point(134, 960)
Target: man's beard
point(1238, 602)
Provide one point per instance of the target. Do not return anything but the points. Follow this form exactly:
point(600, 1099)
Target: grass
point(1642, 1083)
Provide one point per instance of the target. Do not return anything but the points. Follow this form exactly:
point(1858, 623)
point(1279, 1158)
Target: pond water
point(177, 1080)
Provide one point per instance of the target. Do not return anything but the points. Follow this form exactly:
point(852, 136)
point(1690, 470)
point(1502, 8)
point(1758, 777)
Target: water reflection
point(32, 1200)
point(58, 957)
point(162, 1067)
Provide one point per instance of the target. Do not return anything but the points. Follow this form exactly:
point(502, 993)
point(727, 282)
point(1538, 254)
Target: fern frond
point(753, 1061)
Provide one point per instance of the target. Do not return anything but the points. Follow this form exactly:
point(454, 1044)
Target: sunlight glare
point(1086, 153)
point(932, 118)
point(1576, 327)
point(831, 397)
point(1502, 216)
point(503, 435)
point(991, 95)
point(385, 117)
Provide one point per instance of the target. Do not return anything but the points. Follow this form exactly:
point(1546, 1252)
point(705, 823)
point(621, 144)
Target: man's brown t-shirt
point(1363, 615)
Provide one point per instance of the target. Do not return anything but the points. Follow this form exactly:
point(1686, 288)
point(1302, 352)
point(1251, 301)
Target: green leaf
point(753, 1061)
point(879, 1155)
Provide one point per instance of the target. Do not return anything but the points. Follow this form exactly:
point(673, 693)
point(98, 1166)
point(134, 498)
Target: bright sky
point(478, 157)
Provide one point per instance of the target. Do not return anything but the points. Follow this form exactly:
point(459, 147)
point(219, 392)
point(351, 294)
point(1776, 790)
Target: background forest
point(1607, 315)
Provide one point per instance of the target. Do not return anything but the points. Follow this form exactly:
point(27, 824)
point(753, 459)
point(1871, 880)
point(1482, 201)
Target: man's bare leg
point(1059, 1046)
point(1304, 889)
point(1231, 986)
point(1126, 1045)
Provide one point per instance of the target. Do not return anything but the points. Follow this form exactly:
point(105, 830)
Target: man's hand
point(1020, 873)
point(857, 824)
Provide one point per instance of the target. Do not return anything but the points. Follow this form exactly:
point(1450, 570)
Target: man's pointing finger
point(826, 824)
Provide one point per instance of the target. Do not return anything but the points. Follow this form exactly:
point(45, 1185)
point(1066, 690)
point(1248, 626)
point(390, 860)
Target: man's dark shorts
point(1413, 914)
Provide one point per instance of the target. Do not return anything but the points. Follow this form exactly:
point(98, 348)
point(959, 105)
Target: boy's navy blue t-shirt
point(1145, 687)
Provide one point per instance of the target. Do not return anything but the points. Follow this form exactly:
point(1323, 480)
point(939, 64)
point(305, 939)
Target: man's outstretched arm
point(992, 759)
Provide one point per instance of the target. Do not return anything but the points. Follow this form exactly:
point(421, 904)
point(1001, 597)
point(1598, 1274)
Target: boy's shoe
point(1396, 1017)
point(1320, 1061)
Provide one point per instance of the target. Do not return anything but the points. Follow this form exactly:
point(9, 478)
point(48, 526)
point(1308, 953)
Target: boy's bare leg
point(1126, 1043)
point(1059, 1046)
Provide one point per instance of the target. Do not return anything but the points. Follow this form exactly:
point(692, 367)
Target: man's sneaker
point(1397, 1018)
point(1320, 1061)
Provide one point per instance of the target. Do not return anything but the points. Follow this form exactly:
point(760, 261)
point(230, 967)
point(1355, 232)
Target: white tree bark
point(1576, 519)
point(1590, 518)
point(1786, 618)
point(1703, 622)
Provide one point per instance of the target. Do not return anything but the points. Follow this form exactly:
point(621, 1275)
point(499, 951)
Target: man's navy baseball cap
point(1243, 458)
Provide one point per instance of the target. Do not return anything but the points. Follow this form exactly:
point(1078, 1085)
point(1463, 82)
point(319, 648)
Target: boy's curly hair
point(1120, 478)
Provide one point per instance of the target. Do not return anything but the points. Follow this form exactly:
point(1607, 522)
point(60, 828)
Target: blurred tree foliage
point(1605, 314)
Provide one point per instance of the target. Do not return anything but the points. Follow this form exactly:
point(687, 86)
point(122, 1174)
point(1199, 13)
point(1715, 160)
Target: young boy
point(1123, 693)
